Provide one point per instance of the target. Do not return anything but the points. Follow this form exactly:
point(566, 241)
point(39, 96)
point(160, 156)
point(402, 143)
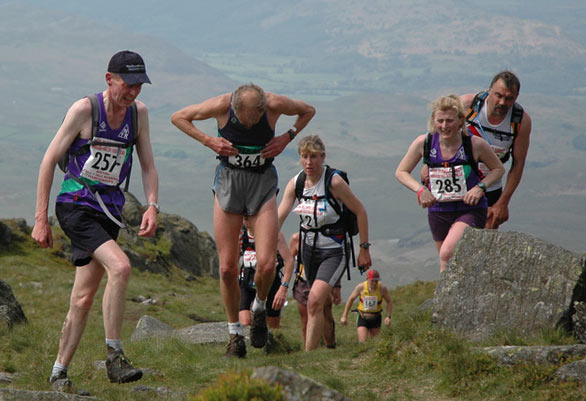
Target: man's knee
point(266, 266)
point(120, 270)
point(82, 300)
point(228, 273)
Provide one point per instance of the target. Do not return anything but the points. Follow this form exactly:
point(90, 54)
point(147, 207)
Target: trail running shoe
point(120, 369)
point(258, 329)
point(61, 376)
point(236, 346)
point(63, 384)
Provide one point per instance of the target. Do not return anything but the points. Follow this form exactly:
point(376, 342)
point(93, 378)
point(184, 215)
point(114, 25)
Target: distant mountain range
point(312, 46)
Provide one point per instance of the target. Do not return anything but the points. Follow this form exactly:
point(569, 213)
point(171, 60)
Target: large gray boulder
point(10, 310)
point(148, 327)
point(297, 387)
point(508, 281)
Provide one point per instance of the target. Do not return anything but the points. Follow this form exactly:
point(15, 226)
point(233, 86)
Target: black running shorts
point(86, 228)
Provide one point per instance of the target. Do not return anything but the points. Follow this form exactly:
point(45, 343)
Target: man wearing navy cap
point(98, 136)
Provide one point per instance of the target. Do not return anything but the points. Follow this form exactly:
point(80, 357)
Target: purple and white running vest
point(103, 168)
point(460, 158)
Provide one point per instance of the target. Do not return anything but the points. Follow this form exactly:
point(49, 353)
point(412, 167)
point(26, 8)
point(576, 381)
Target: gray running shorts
point(323, 264)
point(242, 191)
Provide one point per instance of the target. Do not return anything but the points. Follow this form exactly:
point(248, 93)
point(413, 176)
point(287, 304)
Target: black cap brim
point(135, 78)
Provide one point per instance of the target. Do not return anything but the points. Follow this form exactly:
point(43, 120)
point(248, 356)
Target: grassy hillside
point(411, 361)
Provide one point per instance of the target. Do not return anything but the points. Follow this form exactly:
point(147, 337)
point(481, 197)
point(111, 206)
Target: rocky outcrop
point(508, 281)
point(5, 234)
point(20, 395)
point(12, 230)
point(203, 333)
point(540, 355)
point(6, 378)
point(575, 371)
point(177, 242)
point(579, 321)
point(512, 355)
point(297, 387)
point(11, 312)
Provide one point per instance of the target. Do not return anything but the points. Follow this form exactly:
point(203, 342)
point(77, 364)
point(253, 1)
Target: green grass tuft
point(239, 386)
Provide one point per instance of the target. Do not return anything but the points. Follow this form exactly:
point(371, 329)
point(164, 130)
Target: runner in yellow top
point(371, 293)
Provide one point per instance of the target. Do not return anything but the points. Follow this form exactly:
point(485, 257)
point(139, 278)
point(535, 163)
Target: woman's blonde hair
point(311, 144)
point(445, 103)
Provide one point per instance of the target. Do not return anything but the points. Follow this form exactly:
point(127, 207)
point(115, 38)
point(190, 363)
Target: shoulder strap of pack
point(467, 144)
point(328, 182)
point(476, 105)
point(95, 124)
point(134, 123)
point(516, 117)
point(95, 115)
point(299, 185)
point(427, 148)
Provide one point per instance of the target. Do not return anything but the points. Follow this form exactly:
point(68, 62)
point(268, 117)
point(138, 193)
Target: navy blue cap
point(130, 66)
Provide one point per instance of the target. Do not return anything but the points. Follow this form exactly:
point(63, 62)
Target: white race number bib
point(370, 303)
point(105, 162)
point(246, 160)
point(306, 208)
point(249, 258)
point(448, 185)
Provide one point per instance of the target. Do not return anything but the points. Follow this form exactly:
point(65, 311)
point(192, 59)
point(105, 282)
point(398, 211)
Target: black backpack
point(347, 224)
point(63, 163)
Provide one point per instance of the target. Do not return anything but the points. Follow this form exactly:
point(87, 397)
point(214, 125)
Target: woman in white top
point(322, 241)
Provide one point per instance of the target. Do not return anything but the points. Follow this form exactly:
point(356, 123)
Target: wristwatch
point(482, 186)
point(285, 284)
point(292, 133)
point(156, 205)
point(365, 245)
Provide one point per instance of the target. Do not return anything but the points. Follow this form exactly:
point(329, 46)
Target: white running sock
point(58, 368)
point(235, 328)
point(258, 305)
point(115, 344)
